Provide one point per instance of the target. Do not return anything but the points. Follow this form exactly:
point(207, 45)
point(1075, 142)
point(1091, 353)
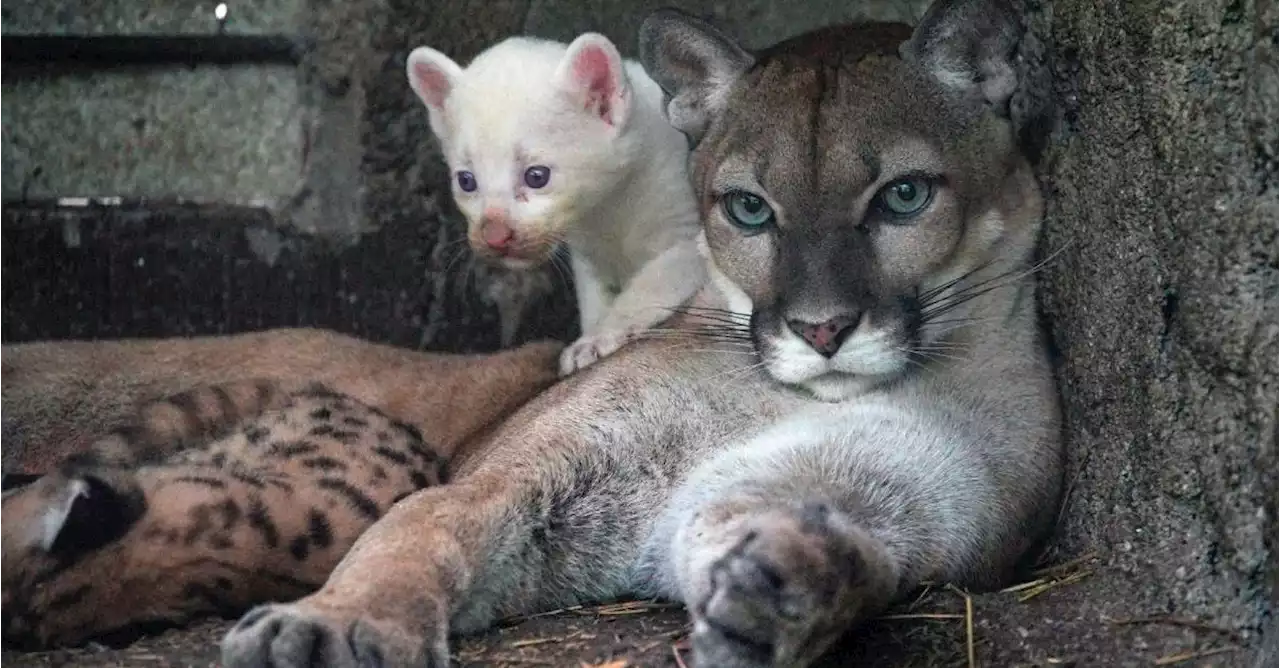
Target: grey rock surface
point(1162, 300)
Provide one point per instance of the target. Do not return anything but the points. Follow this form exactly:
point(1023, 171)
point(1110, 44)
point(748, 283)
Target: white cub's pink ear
point(592, 74)
point(432, 75)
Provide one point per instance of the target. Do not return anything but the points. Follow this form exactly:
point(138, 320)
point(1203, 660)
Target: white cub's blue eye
point(747, 211)
point(466, 181)
point(537, 176)
point(905, 197)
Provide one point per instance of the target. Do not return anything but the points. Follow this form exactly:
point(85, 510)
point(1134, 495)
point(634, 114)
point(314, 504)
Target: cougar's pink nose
point(495, 230)
point(825, 337)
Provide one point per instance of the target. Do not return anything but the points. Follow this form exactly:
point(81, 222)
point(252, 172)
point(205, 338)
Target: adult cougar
point(876, 409)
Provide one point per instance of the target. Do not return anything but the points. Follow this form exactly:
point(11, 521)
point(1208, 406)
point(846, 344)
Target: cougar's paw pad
point(587, 350)
point(777, 586)
point(285, 636)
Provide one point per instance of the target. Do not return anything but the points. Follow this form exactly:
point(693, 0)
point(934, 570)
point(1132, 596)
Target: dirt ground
point(1078, 613)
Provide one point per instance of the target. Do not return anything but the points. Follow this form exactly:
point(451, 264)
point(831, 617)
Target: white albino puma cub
point(552, 144)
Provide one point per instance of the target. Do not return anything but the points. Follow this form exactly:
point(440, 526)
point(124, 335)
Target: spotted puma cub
point(215, 493)
point(268, 487)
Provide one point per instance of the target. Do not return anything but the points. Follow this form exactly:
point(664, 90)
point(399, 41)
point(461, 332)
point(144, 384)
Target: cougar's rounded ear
point(984, 49)
point(433, 76)
point(694, 63)
point(969, 46)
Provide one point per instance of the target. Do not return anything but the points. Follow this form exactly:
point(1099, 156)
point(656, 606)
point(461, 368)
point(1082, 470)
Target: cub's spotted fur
point(210, 501)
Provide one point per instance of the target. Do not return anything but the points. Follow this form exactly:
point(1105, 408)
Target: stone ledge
point(231, 133)
point(130, 17)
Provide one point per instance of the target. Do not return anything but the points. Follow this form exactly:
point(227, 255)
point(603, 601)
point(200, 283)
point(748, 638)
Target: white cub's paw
point(589, 349)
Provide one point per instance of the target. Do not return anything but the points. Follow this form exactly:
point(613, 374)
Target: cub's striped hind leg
point(145, 531)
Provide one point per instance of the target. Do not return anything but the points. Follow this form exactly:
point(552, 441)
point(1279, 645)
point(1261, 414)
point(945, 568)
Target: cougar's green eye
point(750, 212)
point(905, 197)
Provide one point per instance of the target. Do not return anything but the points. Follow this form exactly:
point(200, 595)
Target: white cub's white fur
point(552, 144)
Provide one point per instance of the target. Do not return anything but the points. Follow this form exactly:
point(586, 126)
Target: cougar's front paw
point(788, 589)
point(591, 348)
point(299, 636)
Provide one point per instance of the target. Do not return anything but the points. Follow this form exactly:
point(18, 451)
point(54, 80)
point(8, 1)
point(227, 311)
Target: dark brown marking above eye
point(355, 421)
point(872, 161)
point(322, 413)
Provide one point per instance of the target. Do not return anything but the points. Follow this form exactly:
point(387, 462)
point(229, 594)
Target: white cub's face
point(529, 131)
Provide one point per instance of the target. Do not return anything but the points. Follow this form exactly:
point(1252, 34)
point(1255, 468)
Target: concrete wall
point(219, 133)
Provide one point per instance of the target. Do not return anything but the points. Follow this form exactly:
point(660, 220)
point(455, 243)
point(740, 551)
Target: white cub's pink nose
point(495, 229)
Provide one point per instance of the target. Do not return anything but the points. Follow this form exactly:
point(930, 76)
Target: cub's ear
point(433, 75)
point(969, 46)
point(69, 515)
point(592, 74)
point(694, 63)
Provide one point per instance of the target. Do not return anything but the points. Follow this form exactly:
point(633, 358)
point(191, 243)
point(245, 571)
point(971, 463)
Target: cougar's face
point(845, 199)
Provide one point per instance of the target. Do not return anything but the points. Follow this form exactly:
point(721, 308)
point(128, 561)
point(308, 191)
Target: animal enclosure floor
point(1078, 614)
